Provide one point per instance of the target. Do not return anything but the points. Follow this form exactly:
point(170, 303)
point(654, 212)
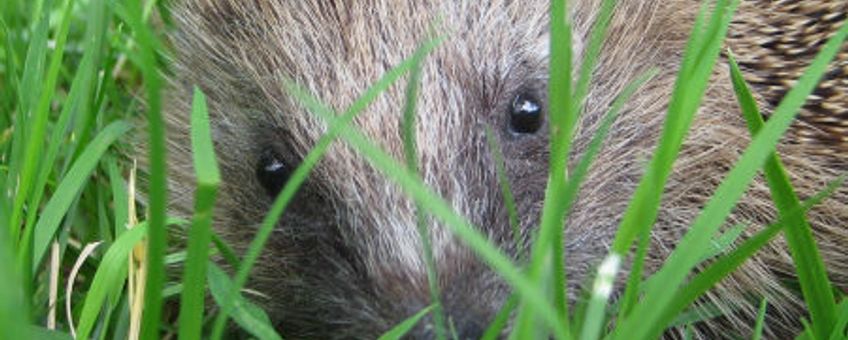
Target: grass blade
point(696, 314)
point(688, 91)
point(200, 235)
point(544, 256)
point(722, 267)
point(37, 126)
point(131, 12)
point(89, 107)
point(404, 327)
point(723, 242)
point(610, 265)
point(809, 265)
point(761, 319)
point(409, 146)
point(13, 306)
point(33, 73)
point(685, 256)
point(81, 89)
point(634, 279)
point(841, 323)
point(70, 186)
point(506, 191)
point(601, 290)
point(120, 197)
point(250, 317)
point(807, 334)
point(501, 320)
point(111, 271)
point(563, 122)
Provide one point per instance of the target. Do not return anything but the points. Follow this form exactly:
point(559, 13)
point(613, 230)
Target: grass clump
point(70, 75)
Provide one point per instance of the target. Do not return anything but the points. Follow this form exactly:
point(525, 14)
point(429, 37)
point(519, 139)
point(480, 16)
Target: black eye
point(272, 173)
point(525, 114)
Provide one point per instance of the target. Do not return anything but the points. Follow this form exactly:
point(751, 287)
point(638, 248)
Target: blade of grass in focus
point(546, 269)
point(698, 61)
point(685, 256)
point(688, 91)
point(200, 235)
point(726, 264)
point(565, 106)
point(809, 264)
point(594, 315)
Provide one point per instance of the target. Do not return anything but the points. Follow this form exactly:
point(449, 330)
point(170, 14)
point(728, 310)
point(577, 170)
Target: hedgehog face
point(346, 258)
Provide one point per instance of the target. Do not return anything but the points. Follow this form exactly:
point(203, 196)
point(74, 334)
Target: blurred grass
point(404, 327)
point(36, 119)
point(208, 180)
point(71, 73)
point(132, 13)
point(410, 147)
point(761, 319)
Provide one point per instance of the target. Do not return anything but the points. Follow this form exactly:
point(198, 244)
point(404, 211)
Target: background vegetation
point(75, 260)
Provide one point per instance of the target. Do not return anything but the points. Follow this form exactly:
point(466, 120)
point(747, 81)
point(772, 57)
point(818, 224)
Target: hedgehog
point(344, 261)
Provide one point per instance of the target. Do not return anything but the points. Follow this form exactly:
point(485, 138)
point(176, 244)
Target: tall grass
point(70, 75)
point(208, 179)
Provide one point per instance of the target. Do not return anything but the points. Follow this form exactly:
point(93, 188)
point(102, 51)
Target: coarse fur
point(345, 260)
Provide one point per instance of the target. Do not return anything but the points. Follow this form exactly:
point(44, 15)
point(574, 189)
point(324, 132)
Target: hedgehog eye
point(272, 173)
point(525, 114)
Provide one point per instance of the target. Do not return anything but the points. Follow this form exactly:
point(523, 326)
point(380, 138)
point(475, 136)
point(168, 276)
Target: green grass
point(208, 179)
point(411, 157)
point(811, 271)
point(71, 73)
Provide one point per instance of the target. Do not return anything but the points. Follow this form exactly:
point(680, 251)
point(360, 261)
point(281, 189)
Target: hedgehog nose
point(470, 331)
point(460, 325)
point(463, 326)
point(467, 326)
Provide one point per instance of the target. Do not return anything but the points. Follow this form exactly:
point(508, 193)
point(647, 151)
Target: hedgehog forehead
point(340, 58)
point(468, 73)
